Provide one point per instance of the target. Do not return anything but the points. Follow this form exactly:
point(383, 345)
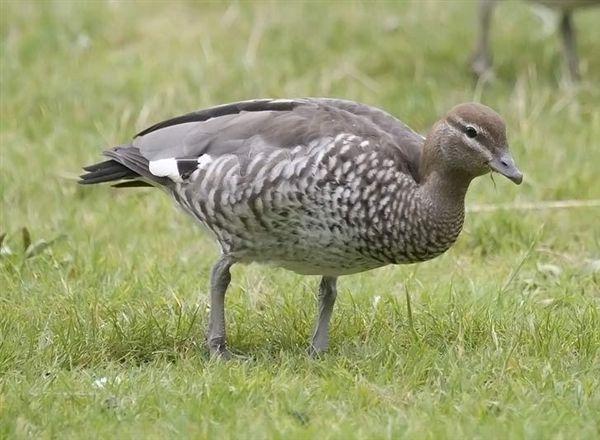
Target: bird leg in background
point(481, 62)
point(219, 282)
point(570, 44)
point(327, 295)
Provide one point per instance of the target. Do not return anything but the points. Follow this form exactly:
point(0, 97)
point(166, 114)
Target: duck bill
point(505, 165)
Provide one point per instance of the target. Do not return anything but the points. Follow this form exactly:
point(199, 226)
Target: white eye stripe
point(464, 123)
point(474, 142)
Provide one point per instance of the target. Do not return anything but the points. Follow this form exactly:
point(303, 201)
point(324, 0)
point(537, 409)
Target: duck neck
point(444, 192)
point(432, 224)
point(443, 189)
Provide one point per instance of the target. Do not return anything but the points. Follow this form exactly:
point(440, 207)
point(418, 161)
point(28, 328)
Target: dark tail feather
point(106, 171)
point(126, 163)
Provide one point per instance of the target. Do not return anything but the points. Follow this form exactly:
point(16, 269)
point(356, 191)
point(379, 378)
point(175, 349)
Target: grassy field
point(102, 316)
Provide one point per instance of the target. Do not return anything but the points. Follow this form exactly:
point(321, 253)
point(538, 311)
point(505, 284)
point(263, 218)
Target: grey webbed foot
point(481, 66)
point(218, 349)
point(315, 352)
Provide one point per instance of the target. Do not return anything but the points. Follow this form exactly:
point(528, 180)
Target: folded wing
point(171, 150)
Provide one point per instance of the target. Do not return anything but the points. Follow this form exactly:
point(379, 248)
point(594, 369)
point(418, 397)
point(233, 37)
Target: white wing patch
point(204, 160)
point(165, 168)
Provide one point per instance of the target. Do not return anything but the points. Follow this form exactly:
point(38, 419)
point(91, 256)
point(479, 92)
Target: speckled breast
point(336, 207)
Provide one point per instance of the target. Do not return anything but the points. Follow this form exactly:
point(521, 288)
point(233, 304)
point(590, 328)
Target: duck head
point(469, 141)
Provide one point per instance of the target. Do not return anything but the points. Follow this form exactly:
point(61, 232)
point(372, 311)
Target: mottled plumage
point(318, 186)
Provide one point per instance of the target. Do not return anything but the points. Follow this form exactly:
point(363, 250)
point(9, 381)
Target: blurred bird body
point(318, 186)
point(481, 60)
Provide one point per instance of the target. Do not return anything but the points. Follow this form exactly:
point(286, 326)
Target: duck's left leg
point(219, 281)
point(481, 60)
point(327, 295)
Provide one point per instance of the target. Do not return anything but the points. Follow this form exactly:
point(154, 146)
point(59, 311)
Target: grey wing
point(247, 128)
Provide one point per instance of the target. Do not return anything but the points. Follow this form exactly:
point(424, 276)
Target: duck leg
point(569, 44)
point(327, 295)
point(219, 281)
point(481, 61)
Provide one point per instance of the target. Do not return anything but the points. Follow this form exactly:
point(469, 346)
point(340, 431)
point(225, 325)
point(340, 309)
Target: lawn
point(103, 300)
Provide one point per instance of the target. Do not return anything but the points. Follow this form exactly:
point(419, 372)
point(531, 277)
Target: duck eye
point(470, 131)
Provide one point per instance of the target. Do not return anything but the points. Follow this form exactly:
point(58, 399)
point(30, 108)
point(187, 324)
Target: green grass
point(505, 334)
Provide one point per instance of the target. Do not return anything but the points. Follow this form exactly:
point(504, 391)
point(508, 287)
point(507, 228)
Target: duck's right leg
point(219, 282)
point(570, 45)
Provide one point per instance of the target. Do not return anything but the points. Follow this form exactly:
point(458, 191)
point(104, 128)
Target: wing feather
point(247, 128)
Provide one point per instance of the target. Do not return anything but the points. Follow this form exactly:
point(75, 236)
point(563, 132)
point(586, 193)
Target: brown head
point(469, 142)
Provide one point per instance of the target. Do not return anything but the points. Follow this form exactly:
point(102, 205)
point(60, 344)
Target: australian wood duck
point(318, 186)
